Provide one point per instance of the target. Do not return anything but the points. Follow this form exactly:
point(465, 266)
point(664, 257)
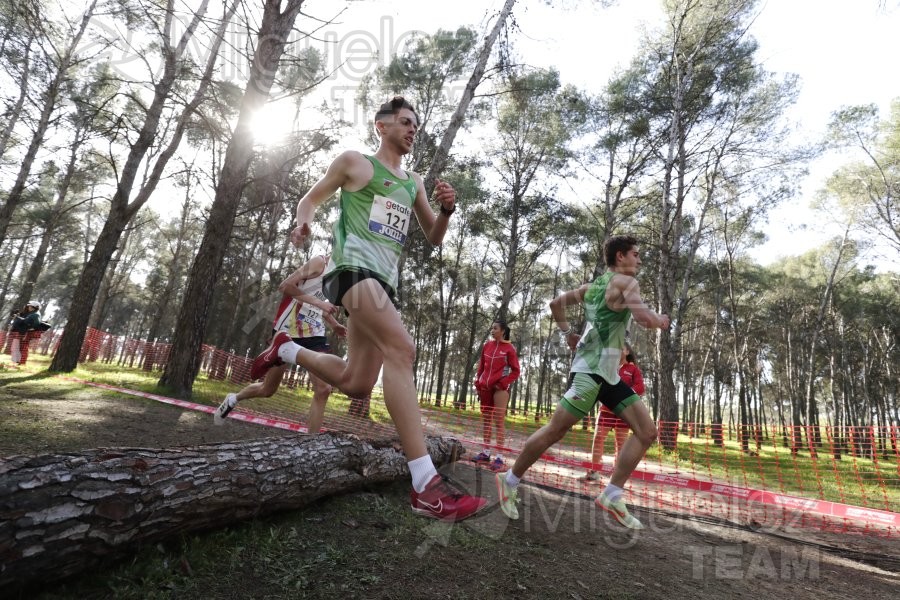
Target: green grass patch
point(288, 403)
point(853, 480)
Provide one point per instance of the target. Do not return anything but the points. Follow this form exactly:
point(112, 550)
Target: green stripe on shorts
point(585, 390)
point(581, 396)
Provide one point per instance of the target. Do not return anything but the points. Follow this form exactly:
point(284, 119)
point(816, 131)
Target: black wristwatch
point(447, 211)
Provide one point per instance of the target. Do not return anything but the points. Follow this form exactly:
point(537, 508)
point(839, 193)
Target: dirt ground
point(562, 546)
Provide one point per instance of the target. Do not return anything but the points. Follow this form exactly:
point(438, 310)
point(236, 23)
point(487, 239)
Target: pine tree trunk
point(442, 153)
point(51, 223)
point(184, 362)
point(66, 357)
point(63, 513)
point(471, 351)
point(7, 279)
point(15, 112)
point(172, 281)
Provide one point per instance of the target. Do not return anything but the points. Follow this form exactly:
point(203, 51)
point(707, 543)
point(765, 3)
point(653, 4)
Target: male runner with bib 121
point(377, 202)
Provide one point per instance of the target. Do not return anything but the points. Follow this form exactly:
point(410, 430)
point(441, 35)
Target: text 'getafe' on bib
point(389, 219)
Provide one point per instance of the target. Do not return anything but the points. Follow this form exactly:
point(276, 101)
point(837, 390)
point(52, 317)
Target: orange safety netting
point(828, 478)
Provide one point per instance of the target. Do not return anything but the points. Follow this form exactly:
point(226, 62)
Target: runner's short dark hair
point(393, 106)
point(616, 244)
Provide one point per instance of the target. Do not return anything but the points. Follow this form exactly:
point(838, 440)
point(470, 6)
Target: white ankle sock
point(511, 479)
point(422, 471)
point(613, 492)
point(288, 352)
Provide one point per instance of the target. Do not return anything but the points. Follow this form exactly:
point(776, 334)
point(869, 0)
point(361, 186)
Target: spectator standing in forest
point(21, 331)
point(378, 199)
point(498, 368)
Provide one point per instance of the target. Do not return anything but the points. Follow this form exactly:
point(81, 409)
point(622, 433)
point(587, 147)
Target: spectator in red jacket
point(607, 420)
point(497, 370)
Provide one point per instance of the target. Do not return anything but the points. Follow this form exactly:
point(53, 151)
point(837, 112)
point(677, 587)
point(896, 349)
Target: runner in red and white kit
point(497, 370)
point(302, 314)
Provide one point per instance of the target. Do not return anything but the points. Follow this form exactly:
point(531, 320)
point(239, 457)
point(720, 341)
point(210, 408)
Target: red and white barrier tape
point(870, 516)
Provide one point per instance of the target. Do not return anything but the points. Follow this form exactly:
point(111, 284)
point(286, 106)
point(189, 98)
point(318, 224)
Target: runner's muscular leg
point(321, 391)
point(379, 332)
point(538, 442)
point(644, 433)
point(266, 387)
point(355, 376)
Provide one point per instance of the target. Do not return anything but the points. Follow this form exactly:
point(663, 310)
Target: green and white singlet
point(373, 224)
point(600, 348)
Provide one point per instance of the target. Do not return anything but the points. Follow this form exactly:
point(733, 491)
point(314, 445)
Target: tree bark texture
point(86, 291)
point(442, 153)
point(53, 220)
point(63, 513)
point(13, 114)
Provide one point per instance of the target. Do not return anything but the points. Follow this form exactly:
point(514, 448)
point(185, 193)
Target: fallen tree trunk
point(63, 513)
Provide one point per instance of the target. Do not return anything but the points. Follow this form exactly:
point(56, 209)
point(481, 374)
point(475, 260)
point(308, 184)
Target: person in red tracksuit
point(607, 420)
point(497, 370)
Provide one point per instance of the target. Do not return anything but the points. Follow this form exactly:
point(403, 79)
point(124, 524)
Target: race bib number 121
point(389, 219)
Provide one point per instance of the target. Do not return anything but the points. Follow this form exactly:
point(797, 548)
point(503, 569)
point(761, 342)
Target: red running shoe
point(441, 501)
point(269, 357)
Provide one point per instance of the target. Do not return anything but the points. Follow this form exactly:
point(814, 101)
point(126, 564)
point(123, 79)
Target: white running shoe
point(507, 496)
point(229, 403)
point(619, 511)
